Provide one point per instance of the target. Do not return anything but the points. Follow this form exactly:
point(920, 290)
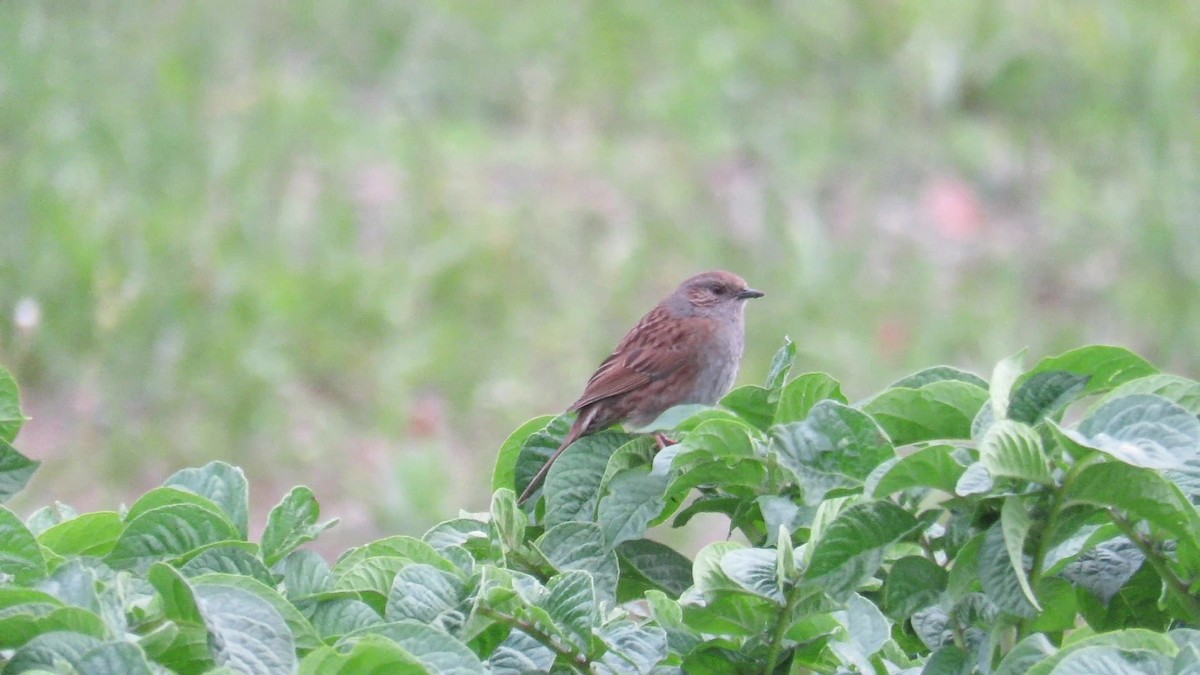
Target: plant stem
point(577, 661)
point(1178, 587)
point(781, 626)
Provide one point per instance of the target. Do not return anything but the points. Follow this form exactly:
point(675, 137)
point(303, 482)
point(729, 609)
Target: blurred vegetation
point(279, 233)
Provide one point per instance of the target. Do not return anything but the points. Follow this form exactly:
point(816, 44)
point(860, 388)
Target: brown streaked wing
point(648, 352)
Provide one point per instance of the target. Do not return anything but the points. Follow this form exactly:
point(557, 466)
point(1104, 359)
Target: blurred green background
point(354, 246)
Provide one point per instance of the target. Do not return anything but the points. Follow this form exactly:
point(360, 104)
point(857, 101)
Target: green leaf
point(633, 499)
point(581, 546)
point(467, 532)
point(913, 583)
point(305, 574)
point(248, 634)
point(429, 595)
point(1104, 366)
point(751, 403)
point(18, 627)
point(437, 651)
point(291, 523)
point(1102, 659)
point(709, 576)
point(336, 617)
point(178, 597)
point(221, 483)
point(866, 626)
point(835, 446)
point(117, 658)
point(1142, 429)
point(571, 604)
point(632, 648)
point(508, 521)
point(1105, 568)
point(572, 486)
point(396, 546)
point(753, 569)
point(935, 411)
point(1020, 658)
point(938, 374)
point(91, 534)
point(1014, 450)
point(15, 471)
point(1014, 525)
point(370, 654)
point(933, 466)
point(1001, 583)
point(802, 393)
point(1179, 390)
point(20, 554)
point(504, 475)
point(1142, 493)
point(1004, 375)
point(302, 631)
point(532, 452)
point(1132, 640)
point(11, 417)
point(858, 531)
point(519, 654)
point(1045, 395)
point(657, 564)
point(227, 558)
point(975, 480)
point(168, 532)
point(781, 365)
point(45, 651)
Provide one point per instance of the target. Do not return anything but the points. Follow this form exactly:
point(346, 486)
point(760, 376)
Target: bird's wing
point(653, 349)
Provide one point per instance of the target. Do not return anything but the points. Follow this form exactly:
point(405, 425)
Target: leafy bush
point(1044, 521)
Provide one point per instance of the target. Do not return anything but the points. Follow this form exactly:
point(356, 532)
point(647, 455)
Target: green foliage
point(948, 524)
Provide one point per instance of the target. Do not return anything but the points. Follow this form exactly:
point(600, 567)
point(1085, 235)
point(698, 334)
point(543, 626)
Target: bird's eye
point(718, 290)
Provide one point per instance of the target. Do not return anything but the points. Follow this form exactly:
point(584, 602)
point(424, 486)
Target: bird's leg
point(662, 441)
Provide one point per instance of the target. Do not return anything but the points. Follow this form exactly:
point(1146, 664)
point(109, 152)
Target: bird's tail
point(577, 429)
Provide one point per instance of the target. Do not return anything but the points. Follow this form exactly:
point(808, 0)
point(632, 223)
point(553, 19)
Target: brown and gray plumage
point(685, 350)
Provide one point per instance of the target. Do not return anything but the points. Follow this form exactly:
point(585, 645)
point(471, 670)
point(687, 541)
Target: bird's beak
point(748, 293)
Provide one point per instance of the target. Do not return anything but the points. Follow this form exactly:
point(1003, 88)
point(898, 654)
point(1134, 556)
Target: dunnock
point(685, 350)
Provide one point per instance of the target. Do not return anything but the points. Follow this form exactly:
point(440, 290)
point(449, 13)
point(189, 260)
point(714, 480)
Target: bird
point(685, 350)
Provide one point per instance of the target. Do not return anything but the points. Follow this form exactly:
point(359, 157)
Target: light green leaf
point(913, 583)
point(470, 533)
point(1142, 493)
point(865, 625)
point(302, 631)
point(429, 595)
point(802, 393)
point(504, 475)
point(657, 564)
point(857, 532)
point(581, 546)
point(44, 652)
point(975, 480)
point(233, 557)
point(572, 487)
point(753, 570)
point(18, 627)
point(248, 634)
point(1104, 659)
point(165, 496)
point(1181, 391)
point(936, 411)
point(1001, 583)
point(1014, 450)
point(1104, 366)
point(20, 554)
point(1045, 395)
point(114, 658)
point(781, 365)
point(933, 467)
point(632, 648)
point(178, 597)
point(520, 654)
point(835, 446)
point(633, 499)
point(15, 471)
point(168, 532)
point(708, 575)
point(508, 521)
point(1004, 375)
point(1132, 640)
point(1015, 524)
point(221, 483)
point(1029, 651)
point(751, 403)
point(336, 617)
point(291, 523)
point(92, 534)
point(1144, 430)
point(305, 574)
point(938, 374)
point(571, 605)
point(11, 417)
point(532, 447)
point(396, 546)
point(370, 654)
